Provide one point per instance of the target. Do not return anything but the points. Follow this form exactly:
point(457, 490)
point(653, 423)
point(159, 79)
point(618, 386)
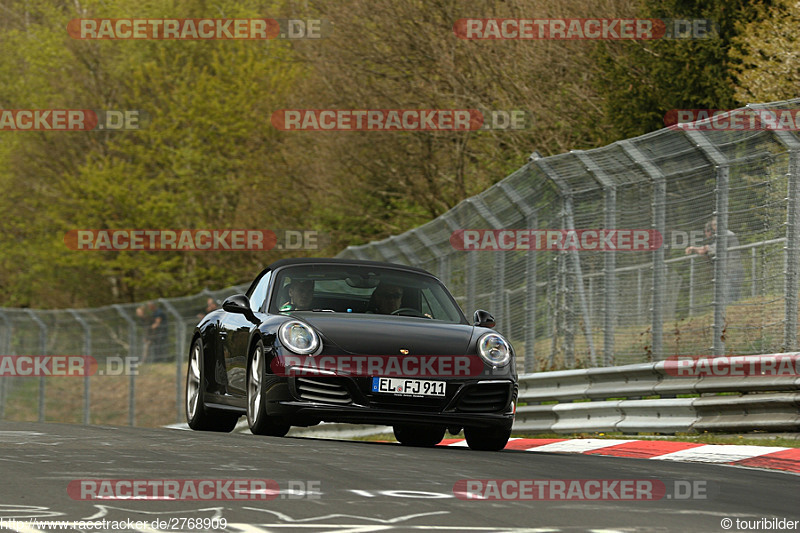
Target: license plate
point(408, 387)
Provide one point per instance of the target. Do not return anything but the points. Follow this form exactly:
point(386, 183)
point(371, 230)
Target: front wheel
point(417, 435)
point(199, 417)
point(260, 423)
point(488, 440)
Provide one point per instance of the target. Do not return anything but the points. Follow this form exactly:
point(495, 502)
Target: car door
point(236, 330)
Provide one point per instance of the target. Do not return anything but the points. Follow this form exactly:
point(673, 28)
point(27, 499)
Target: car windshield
point(362, 290)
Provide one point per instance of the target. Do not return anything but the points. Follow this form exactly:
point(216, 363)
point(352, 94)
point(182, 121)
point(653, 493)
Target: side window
point(426, 307)
point(430, 306)
point(260, 293)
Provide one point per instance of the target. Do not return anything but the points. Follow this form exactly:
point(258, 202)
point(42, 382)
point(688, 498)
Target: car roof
point(333, 261)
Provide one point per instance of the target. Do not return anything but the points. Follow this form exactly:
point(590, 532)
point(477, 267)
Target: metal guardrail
point(724, 396)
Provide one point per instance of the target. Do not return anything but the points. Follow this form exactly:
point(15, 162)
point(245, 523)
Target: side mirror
point(483, 319)
point(239, 304)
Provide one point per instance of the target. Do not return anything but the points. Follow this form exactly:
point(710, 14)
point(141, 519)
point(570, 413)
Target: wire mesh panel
point(701, 291)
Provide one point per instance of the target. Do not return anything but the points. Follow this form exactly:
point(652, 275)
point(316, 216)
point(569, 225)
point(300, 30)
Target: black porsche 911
point(331, 340)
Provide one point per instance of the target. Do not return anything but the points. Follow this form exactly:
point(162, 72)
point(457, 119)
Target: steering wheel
point(414, 312)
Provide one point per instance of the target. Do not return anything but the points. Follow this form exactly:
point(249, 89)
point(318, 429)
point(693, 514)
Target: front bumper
point(481, 403)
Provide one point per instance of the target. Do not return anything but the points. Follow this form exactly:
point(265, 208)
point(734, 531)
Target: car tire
point(257, 418)
point(418, 435)
point(198, 416)
point(487, 440)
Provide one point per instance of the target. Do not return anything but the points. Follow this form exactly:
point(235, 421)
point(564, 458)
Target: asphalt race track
point(328, 485)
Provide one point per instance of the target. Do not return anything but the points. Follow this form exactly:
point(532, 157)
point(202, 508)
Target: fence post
point(499, 281)
point(5, 346)
point(691, 286)
point(428, 244)
point(444, 269)
point(530, 218)
point(659, 268)
point(721, 259)
point(401, 244)
point(530, 301)
point(87, 349)
point(639, 276)
point(553, 299)
point(609, 257)
point(659, 285)
point(132, 353)
point(447, 264)
point(499, 287)
point(721, 238)
point(792, 240)
point(574, 256)
point(42, 349)
point(566, 316)
point(472, 259)
point(180, 337)
point(382, 252)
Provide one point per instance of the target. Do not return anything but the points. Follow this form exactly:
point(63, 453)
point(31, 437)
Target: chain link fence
point(561, 309)
point(138, 363)
point(586, 308)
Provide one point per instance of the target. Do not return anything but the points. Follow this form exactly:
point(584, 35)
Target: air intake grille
point(484, 398)
point(322, 390)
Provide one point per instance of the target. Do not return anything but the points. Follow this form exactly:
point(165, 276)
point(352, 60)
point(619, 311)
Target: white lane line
point(578, 445)
point(246, 528)
point(358, 528)
point(365, 529)
point(289, 519)
point(718, 453)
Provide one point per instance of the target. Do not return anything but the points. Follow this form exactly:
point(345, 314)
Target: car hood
point(382, 335)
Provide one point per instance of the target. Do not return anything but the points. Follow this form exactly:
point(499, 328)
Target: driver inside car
point(301, 295)
point(386, 299)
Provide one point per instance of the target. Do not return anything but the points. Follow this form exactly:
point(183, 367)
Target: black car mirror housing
point(239, 304)
point(483, 319)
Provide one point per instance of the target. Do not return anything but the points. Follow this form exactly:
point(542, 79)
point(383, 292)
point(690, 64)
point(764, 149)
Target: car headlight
point(494, 349)
point(298, 337)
